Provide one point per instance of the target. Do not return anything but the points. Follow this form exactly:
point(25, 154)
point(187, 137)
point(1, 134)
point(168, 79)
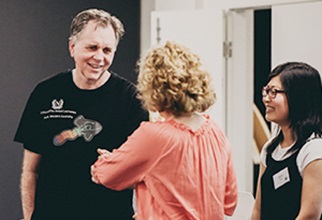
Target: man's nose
point(98, 55)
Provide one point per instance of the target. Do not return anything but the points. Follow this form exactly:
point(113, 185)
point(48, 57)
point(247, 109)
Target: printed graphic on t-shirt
point(84, 127)
point(55, 104)
point(57, 111)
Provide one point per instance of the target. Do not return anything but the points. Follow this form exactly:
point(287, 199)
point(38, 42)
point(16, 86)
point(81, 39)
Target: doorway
point(262, 67)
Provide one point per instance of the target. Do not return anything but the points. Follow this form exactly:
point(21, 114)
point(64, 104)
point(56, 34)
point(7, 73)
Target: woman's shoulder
point(312, 146)
point(158, 132)
point(311, 151)
point(156, 127)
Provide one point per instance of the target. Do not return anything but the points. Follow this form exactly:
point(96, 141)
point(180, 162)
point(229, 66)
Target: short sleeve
point(29, 131)
point(135, 112)
point(310, 151)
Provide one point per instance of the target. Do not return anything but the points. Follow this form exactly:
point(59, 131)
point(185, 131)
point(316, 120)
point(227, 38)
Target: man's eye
point(107, 50)
point(92, 47)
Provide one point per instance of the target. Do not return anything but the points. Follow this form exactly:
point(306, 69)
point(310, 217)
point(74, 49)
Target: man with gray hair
point(67, 117)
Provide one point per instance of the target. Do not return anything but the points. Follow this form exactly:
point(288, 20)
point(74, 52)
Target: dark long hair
point(302, 86)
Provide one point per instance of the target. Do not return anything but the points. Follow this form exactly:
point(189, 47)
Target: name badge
point(281, 178)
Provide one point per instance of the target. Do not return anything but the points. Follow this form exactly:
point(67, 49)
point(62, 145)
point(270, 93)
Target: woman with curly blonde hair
point(172, 79)
point(181, 166)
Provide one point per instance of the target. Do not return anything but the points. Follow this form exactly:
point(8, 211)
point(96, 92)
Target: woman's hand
point(102, 153)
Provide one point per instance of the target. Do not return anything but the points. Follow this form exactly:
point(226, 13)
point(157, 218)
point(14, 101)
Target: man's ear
point(71, 46)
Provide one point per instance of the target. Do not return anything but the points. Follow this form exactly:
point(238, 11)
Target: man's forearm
point(28, 189)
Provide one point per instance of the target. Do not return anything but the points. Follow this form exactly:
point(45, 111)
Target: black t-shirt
point(66, 125)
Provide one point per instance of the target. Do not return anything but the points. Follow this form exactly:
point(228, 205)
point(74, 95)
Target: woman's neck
point(288, 137)
point(193, 121)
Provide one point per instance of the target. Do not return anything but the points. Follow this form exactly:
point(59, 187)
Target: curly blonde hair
point(171, 78)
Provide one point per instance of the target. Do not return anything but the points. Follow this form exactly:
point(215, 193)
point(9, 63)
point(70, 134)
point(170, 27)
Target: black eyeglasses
point(271, 92)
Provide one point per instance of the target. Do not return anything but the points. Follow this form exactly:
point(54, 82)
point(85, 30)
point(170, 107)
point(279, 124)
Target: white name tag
point(281, 178)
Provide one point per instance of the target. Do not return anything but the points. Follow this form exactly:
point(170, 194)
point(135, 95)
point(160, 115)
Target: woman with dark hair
point(290, 179)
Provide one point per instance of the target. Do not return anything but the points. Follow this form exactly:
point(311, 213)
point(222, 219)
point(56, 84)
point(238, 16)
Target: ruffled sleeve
point(129, 164)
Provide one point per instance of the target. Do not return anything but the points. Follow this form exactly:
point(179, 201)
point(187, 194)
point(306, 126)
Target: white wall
point(147, 6)
point(303, 26)
point(159, 5)
point(231, 4)
point(174, 5)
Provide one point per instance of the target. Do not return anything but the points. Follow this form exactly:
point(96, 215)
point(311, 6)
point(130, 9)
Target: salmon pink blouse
point(178, 173)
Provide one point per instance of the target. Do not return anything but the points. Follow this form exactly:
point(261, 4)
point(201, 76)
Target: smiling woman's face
point(276, 108)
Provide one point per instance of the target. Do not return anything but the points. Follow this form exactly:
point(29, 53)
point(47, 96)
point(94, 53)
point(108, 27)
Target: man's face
point(93, 51)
